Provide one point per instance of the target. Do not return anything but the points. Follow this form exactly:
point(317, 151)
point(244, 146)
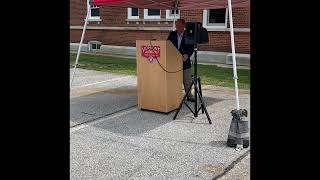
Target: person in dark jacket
point(177, 38)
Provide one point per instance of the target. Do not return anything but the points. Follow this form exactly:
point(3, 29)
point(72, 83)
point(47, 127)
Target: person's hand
point(185, 57)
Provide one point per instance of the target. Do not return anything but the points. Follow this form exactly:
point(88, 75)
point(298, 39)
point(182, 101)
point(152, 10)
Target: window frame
point(146, 16)
point(206, 23)
point(130, 14)
point(94, 17)
point(171, 16)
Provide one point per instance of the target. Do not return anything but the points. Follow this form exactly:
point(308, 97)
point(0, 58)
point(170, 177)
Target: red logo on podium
point(150, 52)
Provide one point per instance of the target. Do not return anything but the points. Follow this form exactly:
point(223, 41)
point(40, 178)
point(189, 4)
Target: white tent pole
point(234, 62)
point(174, 15)
point(82, 36)
point(174, 22)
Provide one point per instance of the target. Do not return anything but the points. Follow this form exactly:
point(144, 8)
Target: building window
point(215, 18)
point(94, 45)
point(94, 12)
point(152, 14)
point(171, 13)
point(133, 13)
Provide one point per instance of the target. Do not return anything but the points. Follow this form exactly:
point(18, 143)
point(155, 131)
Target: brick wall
point(241, 17)
point(77, 12)
point(117, 17)
point(218, 41)
point(118, 38)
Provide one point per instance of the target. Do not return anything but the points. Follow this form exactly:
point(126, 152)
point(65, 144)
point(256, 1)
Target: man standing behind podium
point(178, 40)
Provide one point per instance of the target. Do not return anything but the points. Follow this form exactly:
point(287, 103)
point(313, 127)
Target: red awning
point(169, 4)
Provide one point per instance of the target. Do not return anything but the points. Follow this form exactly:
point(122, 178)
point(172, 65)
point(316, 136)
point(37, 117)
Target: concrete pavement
point(110, 138)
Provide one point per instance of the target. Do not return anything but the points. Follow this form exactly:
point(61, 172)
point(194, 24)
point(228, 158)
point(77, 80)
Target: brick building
point(118, 28)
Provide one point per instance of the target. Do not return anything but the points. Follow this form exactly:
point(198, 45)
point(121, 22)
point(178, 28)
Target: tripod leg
point(200, 90)
point(184, 97)
point(204, 106)
point(196, 91)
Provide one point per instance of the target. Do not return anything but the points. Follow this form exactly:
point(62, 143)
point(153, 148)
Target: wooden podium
point(158, 90)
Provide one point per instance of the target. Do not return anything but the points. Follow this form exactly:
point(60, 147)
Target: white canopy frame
point(234, 62)
point(81, 41)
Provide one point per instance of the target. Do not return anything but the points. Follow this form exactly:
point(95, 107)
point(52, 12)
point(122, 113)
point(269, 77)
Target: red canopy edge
point(169, 4)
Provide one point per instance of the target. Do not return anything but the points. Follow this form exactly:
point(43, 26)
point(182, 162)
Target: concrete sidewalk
point(110, 138)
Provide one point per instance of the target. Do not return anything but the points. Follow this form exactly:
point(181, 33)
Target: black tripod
point(197, 92)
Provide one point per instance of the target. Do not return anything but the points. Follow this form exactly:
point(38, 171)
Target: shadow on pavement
point(141, 121)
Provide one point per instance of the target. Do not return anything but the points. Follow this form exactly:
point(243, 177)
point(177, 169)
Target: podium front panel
point(157, 90)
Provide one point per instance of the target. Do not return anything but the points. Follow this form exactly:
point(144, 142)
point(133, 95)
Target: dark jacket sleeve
point(189, 50)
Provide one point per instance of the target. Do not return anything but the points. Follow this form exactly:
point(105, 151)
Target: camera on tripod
point(196, 34)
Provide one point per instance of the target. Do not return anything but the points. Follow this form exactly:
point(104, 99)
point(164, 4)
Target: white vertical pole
point(174, 15)
point(234, 62)
point(174, 22)
point(82, 36)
